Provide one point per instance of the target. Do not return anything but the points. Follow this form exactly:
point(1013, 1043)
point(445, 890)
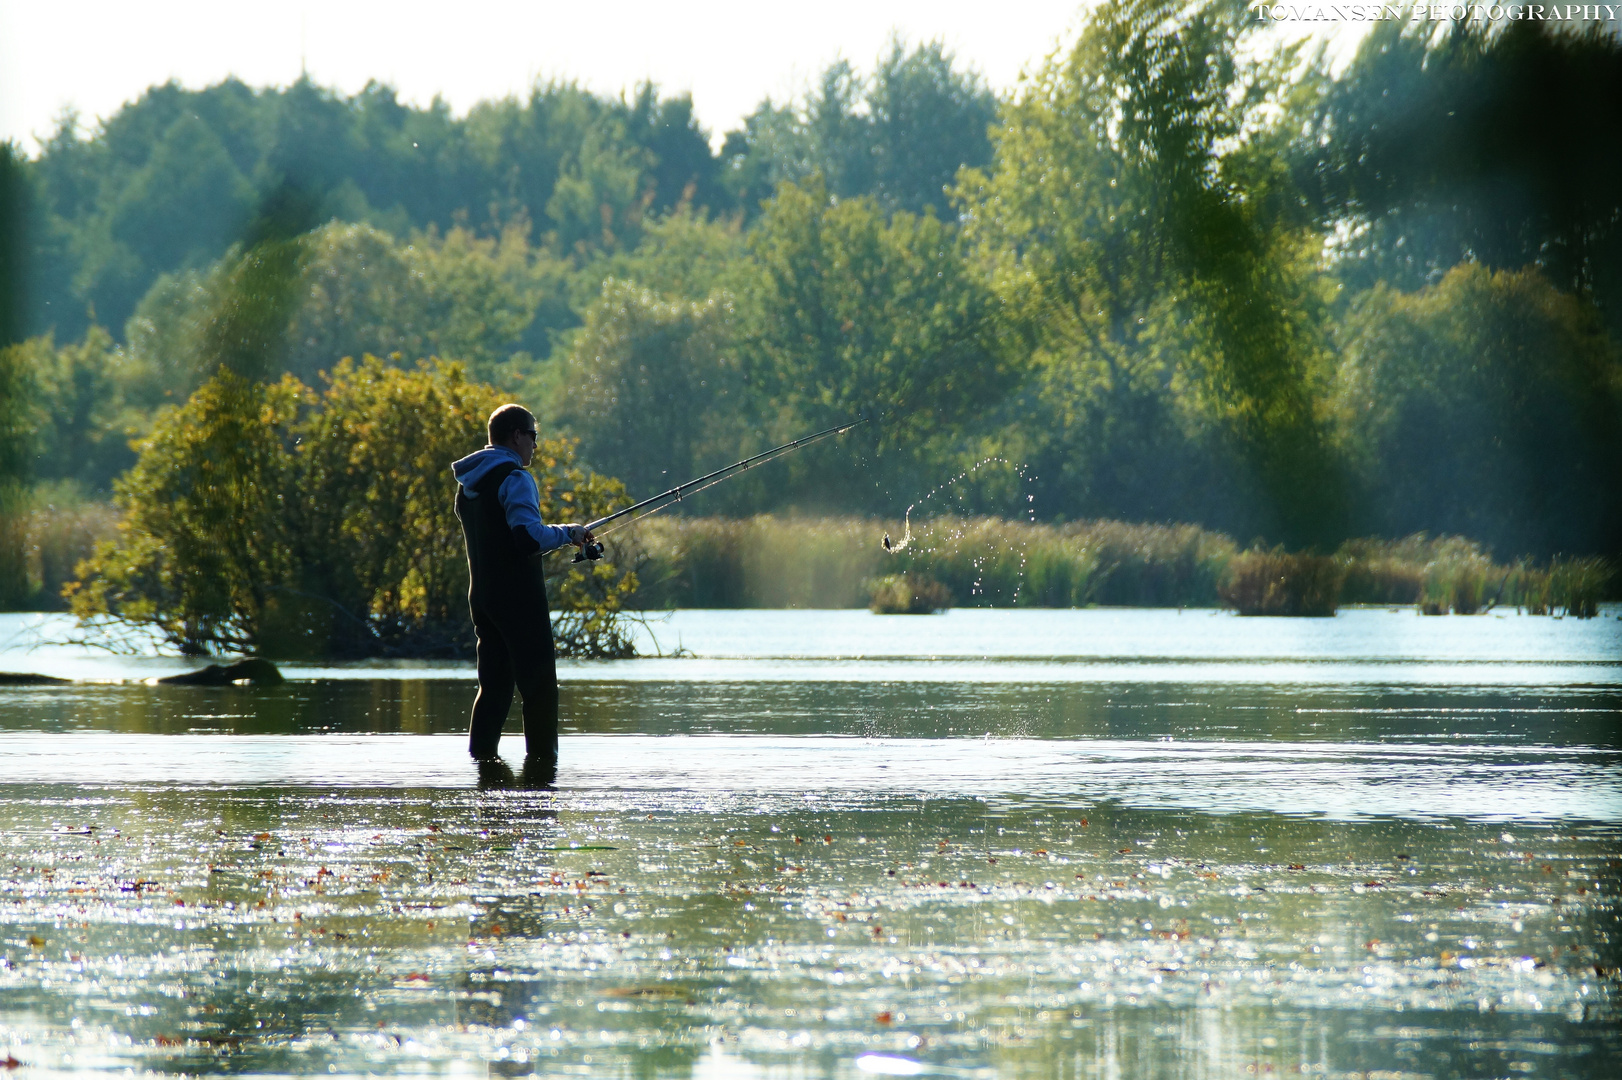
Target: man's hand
point(579, 536)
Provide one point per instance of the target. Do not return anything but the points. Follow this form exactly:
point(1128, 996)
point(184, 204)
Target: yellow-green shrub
point(267, 518)
point(1280, 583)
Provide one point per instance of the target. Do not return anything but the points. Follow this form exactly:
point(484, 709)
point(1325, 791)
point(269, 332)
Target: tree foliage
point(899, 135)
point(1436, 148)
point(855, 314)
point(1138, 242)
point(1178, 275)
point(170, 182)
point(206, 544)
point(1490, 405)
point(17, 396)
point(264, 518)
point(15, 211)
point(654, 385)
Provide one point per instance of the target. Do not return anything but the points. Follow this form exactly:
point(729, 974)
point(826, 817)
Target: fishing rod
point(593, 550)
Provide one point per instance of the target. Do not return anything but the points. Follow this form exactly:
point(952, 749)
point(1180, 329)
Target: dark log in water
point(256, 671)
point(28, 678)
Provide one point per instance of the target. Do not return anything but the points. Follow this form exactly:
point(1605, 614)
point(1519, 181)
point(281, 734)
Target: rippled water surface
point(993, 844)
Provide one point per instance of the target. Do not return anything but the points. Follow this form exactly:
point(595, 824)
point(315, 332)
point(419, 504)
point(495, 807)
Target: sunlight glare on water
point(849, 870)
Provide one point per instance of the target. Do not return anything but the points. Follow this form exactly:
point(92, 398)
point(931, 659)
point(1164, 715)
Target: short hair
point(508, 420)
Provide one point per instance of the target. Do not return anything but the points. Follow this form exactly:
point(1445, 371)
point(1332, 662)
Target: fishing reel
point(590, 551)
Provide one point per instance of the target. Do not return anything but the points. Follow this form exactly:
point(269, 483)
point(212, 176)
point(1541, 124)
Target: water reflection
point(1534, 714)
point(532, 773)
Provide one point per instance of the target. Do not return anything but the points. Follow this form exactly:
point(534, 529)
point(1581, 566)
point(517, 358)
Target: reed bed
point(986, 562)
point(1452, 575)
point(43, 536)
point(1280, 583)
point(840, 562)
point(758, 562)
point(908, 594)
point(770, 561)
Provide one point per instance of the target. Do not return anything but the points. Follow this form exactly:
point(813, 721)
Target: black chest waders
point(507, 598)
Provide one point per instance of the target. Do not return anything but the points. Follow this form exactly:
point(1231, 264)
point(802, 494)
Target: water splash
point(1028, 510)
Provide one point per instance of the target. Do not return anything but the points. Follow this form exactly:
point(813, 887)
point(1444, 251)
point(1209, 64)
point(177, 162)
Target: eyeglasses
point(531, 432)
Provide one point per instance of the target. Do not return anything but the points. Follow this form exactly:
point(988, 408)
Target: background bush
point(265, 518)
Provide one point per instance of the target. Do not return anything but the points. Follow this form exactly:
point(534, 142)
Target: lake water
point(830, 844)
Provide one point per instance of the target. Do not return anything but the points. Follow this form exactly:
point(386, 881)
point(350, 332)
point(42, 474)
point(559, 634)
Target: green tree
point(83, 428)
point(19, 409)
point(521, 147)
point(770, 149)
point(359, 292)
point(681, 169)
point(652, 386)
point(928, 121)
point(246, 331)
point(1432, 149)
point(170, 182)
point(483, 296)
point(1488, 405)
point(381, 547)
point(16, 206)
point(1139, 238)
point(853, 315)
point(356, 290)
point(599, 200)
point(899, 135)
point(18, 396)
point(162, 339)
point(188, 196)
point(206, 540)
point(262, 518)
point(683, 254)
point(154, 189)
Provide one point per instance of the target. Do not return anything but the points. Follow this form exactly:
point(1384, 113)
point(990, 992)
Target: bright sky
point(95, 55)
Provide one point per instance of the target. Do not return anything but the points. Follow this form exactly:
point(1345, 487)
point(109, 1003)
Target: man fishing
point(499, 507)
point(500, 511)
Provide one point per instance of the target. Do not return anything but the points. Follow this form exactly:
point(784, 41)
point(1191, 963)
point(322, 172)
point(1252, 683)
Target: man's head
point(513, 427)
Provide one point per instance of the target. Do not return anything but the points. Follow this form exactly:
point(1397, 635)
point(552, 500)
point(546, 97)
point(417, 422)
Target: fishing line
point(592, 551)
point(1022, 471)
point(894, 546)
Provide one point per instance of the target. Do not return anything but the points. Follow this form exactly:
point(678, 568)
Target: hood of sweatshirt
point(471, 469)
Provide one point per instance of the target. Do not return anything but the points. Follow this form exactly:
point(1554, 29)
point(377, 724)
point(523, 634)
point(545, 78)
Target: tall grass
point(44, 533)
point(769, 561)
point(839, 562)
point(1578, 585)
point(758, 562)
point(1280, 583)
point(14, 587)
point(908, 594)
point(1445, 574)
point(987, 562)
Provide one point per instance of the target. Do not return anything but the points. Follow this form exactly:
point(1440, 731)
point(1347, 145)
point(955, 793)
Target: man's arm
point(522, 504)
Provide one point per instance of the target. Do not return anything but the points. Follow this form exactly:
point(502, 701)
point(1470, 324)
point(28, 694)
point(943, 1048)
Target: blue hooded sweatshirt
point(519, 498)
